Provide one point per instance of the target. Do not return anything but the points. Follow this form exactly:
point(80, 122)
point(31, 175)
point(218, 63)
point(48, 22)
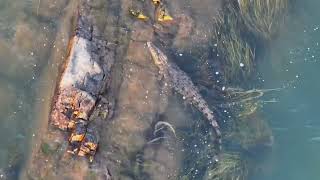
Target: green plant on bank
point(230, 167)
point(263, 17)
point(235, 51)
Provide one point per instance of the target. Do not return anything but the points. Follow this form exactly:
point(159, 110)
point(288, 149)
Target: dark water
point(294, 63)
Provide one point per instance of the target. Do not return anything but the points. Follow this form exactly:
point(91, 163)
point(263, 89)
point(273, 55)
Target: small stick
point(156, 139)
point(165, 124)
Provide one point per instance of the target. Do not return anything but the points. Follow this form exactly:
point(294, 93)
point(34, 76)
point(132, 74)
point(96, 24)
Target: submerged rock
point(85, 75)
point(84, 79)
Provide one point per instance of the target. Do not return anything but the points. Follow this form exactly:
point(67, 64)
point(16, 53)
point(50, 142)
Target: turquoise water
point(294, 63)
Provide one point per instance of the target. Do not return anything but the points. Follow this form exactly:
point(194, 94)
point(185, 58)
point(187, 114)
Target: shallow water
point(27, 77)
point(28, 73)
point(295, 63)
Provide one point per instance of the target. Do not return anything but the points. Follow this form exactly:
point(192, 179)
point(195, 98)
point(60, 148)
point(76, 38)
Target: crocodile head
point(158, 56)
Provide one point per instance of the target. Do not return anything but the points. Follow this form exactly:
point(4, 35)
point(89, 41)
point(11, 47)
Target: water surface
point(27, 37)
point(294, 64)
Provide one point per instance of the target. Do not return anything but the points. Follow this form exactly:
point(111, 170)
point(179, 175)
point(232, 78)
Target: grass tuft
point(231, 167)
point(263, 17)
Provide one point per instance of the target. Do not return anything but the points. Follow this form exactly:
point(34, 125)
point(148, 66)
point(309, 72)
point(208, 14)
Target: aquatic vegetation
point(235, 26)
point(236, 53)
point(249, 129)
point(199, 151)
point(263, 17)
point(236, 96)
point(231, 167)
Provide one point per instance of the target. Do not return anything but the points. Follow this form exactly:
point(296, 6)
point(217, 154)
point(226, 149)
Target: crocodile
point(178, 80)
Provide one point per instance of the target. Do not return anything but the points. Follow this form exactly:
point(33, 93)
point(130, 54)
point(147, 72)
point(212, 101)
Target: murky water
point(27, 76)
point(294, 64)
point(32, 44)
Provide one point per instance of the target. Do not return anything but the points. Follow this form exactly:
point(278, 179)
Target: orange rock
point(84, 74)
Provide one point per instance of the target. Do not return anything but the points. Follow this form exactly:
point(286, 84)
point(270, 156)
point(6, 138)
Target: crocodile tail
point(218, 134)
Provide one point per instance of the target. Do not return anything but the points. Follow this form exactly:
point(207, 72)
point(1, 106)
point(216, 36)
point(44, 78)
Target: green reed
point(263, 17)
